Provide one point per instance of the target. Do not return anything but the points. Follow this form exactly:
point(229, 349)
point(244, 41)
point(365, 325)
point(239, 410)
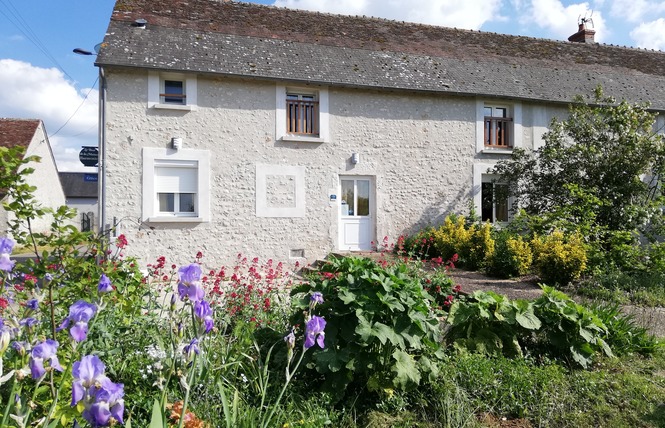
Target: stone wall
point(419, 150)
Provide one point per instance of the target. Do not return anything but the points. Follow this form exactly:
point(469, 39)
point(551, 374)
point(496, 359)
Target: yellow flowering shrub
point(473, 243)
point(512, 256)
point(557, 259)
point(452, 237)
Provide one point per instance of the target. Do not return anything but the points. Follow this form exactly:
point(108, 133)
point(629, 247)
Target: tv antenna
point(582, 20)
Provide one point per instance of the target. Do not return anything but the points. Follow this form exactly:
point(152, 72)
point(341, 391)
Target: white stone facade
point(418, 150)
point(48, 191)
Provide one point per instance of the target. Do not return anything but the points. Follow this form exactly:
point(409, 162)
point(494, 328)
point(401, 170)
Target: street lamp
point(101, 165)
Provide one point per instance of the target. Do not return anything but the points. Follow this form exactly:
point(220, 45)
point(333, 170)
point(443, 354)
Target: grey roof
point(75, 185)
point(249, 40)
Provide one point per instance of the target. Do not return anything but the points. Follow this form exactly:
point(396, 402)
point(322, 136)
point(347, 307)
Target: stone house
point(31, 135)
point(239, 128)
point(81, 190)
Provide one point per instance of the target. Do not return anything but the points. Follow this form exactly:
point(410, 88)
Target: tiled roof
point(75, 185)
point(17, 132)
point(249, 40)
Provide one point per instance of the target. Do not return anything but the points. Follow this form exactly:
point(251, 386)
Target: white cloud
point(561, 21)
point(471, 14)
point(650, 35)
point(31, 92)
point(635, 10)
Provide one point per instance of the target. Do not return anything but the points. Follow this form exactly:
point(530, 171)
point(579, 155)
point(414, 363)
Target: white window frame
point(514, 110)
point(156, 87)
point(321, 94)
point(159, 157)
point(481, 175)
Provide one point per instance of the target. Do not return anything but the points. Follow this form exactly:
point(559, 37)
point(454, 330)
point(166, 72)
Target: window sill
point(174, 107)
point(303, 139)
point(496, 150)
point(175, 220)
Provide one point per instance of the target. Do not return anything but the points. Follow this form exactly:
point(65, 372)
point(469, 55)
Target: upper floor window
point(302, 114)
point(173, 91)
point(498, 127)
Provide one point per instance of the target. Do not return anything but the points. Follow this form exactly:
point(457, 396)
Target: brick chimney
point(583, 35)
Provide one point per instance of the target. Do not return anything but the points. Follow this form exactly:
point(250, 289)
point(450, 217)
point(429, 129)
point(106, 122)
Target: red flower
point(457, 288)
point(121, 242)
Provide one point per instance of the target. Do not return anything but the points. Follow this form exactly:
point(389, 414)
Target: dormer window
point(174, 92)
point(302, 114)
point(498, 127)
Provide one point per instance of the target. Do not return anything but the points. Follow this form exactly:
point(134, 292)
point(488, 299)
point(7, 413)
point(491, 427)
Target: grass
point(637, 288)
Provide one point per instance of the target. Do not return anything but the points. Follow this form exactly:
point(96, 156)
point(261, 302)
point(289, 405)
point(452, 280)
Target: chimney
point(583, 35)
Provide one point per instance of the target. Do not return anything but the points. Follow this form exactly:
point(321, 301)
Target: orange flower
point(191, 420)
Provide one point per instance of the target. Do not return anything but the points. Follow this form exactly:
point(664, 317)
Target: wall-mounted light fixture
point(176, 143)
point(355, 158)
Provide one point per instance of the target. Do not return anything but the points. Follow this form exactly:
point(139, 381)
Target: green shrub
point(559, 259)
point(420, 246)
point(553, 325)
point(512, 256)
point(381, 331)
point(624, 335)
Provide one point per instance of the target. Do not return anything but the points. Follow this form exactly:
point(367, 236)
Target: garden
point(90, 337)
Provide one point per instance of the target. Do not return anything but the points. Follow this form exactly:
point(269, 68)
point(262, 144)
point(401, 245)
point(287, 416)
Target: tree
point(600, 170)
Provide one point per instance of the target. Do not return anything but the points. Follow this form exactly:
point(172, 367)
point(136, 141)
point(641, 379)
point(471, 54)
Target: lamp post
point(101, 164)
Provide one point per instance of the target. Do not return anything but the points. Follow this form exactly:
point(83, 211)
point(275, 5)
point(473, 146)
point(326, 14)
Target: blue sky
point(43, 79)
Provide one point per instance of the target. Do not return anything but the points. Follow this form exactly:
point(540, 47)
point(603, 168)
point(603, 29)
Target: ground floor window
point(494, 202)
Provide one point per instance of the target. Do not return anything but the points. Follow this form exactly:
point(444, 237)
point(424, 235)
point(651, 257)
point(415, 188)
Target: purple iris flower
point(6, 247)
point(32, 304)
point(105, 403)
point(192, 348)
point(101, 397)
point(104, 284)
point(28, 323)
point(203, 311)
point(314, 332)
point(80, 314)
point(5, 337)
point(40, 353)
point(188, 283)
point(5, 263)
point(290, 340)
point(315, 299)
point(87, 373)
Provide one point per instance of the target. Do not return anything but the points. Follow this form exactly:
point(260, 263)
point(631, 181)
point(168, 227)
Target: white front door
point(356, 217)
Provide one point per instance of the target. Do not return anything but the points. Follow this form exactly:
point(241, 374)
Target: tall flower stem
point(185, 402)
point(10, 399)
point(289, 375)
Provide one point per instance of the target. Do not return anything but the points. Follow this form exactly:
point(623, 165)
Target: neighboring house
point(239, 128)
point(31, 135)
point(81, 189)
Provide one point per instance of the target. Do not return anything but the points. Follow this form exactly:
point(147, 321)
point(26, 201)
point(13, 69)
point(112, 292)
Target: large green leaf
point(526, 316)
point(391, 302)
point(406, 372)
point(346, 296)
